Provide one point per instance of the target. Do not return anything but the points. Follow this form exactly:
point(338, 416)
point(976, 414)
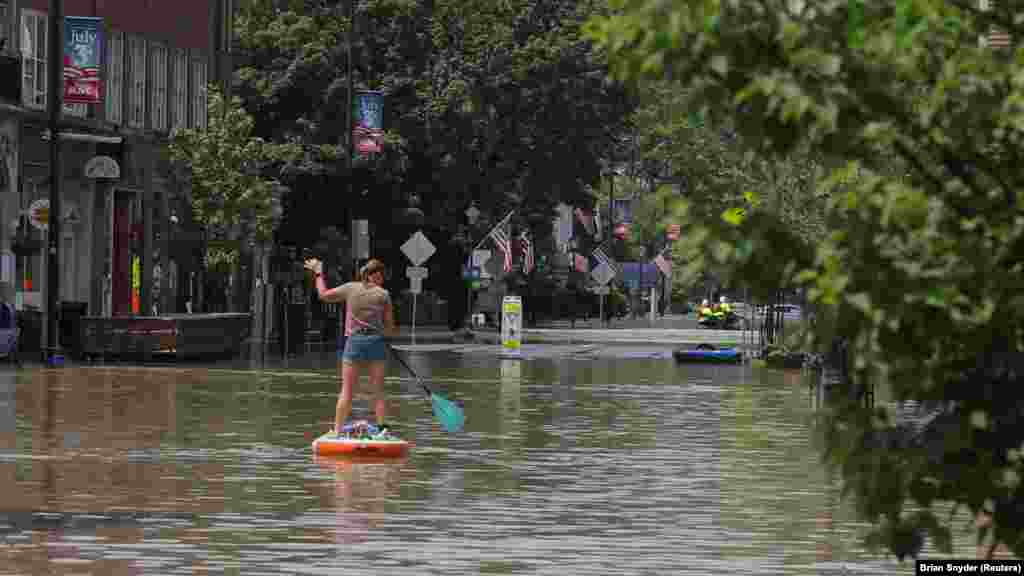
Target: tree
point(708, 165)
point(920, 266)
point(225, 165)
point(504, 104)
point(484, 99)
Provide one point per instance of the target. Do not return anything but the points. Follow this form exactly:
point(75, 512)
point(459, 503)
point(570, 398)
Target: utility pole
point(611, 214)
point(349, 148)
point(55, 87)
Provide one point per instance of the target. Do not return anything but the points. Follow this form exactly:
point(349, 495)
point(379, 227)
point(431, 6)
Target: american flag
point(582, 264)
point(663, 264)
point(586, 217)
point(528, 262)
point(500, 238)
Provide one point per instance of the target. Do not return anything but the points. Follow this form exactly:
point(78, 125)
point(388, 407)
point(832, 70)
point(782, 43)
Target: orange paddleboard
point(330, 445)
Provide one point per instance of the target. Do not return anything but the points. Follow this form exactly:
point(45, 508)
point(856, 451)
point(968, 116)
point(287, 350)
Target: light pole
point(349, 146)
point(472, 215)
point(55, 93)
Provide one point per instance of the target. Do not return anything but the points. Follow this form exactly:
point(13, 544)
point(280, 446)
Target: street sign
point(416, 285)
point(418, 249)
point(416, 272)
point(603, 273)
point(602, 290)
point(480, 257)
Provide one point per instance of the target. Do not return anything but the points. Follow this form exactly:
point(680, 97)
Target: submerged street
point(593, 465)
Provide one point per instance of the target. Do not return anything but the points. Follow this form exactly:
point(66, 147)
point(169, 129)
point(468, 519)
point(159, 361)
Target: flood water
point(566, 467)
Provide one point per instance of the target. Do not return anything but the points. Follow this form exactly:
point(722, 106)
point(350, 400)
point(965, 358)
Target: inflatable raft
point(725, 355)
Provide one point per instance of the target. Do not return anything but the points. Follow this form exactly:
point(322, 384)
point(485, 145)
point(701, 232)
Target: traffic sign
point(602, 290)
point(603, 273)
point(416, 285)
point(418, 249)
point(416, 272)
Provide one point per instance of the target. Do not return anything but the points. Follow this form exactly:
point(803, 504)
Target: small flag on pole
point(663, 264)
point(528, 262)
point(582, 264)
point(500, 238)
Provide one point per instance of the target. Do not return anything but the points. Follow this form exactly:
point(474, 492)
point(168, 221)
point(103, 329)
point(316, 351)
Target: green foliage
point(500, 102)
point(225, 165)
point(917, 254)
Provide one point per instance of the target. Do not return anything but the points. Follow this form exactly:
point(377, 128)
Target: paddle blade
point(448, 413)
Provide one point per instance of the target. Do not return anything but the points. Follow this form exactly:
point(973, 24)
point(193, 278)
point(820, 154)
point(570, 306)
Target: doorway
point(125, 239)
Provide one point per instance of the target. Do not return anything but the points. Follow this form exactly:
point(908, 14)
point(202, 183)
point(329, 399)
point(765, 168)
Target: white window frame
point(137, 60)
point(114, 81)
point(158, 87)
point(180, 91)
point(5, 25)
point(198, 94)
point(33, 83)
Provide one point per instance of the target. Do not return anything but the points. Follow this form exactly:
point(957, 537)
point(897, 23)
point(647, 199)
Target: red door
point(120, 266)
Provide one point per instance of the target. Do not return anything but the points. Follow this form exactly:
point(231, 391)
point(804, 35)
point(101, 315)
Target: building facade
point(127, 245)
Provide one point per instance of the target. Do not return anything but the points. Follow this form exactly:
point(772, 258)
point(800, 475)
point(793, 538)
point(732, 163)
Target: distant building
point(158, 59)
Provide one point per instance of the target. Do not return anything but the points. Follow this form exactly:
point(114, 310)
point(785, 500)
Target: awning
point(84, 137)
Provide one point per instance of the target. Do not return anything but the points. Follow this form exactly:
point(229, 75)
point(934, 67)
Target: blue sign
point(637, 276)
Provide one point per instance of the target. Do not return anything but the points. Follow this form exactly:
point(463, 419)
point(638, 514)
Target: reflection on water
point(567, 466)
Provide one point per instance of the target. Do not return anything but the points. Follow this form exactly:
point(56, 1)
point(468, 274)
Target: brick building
point(129, 221)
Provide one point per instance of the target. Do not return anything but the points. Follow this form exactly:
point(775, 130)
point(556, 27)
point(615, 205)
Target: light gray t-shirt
point(365, 307)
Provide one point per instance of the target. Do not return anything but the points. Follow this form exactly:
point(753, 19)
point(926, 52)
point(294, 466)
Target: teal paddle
point(450, 414)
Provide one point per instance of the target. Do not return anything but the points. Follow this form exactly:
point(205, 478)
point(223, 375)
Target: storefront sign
point(102, 167)
point(83, 45)
point(368, 131)
point(39, 214)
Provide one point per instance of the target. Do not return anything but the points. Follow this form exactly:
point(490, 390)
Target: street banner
point(83, 48)
point(368, 116)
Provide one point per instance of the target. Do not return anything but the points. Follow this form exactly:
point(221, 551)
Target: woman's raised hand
point(315, 265)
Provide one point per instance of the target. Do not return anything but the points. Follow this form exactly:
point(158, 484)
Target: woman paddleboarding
point(369, 319)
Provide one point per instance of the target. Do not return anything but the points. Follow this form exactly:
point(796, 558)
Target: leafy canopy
point(919, 268)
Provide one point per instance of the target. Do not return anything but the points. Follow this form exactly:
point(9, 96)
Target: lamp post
point(349, 146)
point(55, 93)
point(472, 215)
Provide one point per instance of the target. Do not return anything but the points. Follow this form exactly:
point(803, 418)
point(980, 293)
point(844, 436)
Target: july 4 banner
point(83, 47)
point(368, 132)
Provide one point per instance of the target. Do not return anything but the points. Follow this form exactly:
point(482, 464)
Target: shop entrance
point(125, 252)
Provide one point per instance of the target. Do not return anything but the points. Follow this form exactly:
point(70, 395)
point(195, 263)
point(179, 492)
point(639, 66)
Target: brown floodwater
point(567, 466)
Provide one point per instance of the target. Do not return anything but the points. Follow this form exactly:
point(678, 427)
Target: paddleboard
point(359, 445)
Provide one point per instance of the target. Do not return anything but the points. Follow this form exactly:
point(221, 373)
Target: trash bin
point(71, 314)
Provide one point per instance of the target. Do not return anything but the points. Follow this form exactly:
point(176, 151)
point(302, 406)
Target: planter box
point(175, 336)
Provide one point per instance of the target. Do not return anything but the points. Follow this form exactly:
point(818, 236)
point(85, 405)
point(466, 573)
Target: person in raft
point(369, 319)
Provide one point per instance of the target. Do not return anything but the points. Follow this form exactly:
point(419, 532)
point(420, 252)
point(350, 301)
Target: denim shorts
point(364, 348)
